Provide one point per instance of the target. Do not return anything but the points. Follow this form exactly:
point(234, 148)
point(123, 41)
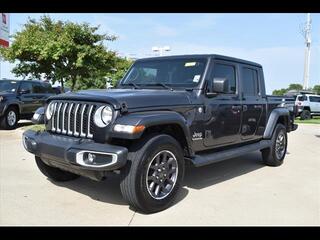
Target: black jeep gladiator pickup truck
point(19, 99)
point(165, 111)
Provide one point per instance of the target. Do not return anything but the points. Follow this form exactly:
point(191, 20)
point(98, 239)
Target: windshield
point(166, 72)
point(8, 86)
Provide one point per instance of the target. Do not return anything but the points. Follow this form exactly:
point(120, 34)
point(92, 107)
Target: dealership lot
point(239, 191)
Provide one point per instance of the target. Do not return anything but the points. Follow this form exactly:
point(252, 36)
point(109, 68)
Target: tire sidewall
point(157, 144)
point(5, 119)
point(305, 115)
point(280, 128)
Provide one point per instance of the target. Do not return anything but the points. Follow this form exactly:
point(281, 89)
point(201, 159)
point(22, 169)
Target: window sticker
point(196, 78)
point(190, 64)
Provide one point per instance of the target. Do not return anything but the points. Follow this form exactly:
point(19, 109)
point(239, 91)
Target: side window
point(47, 88)
point(312, 99)
point(250, 82)
point(38, 88)
point(228, 72)
point(26, 87)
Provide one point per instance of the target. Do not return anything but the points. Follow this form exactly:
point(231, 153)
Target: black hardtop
point(213, 56)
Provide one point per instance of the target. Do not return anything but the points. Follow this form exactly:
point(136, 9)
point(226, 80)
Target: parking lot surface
point(239, 191)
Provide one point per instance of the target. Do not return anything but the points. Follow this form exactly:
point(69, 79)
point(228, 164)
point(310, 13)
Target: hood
point(134, 98)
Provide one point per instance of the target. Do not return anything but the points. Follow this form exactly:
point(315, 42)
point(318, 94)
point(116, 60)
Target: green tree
point(60, 51)
point(295, 86)
point(113, 76)
point(279, 92)
point(316, 88)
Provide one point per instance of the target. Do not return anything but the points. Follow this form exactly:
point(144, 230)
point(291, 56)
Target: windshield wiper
point(131, 84)
point(159, 84)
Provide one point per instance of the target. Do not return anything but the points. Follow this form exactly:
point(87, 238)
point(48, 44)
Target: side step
point(208, 158)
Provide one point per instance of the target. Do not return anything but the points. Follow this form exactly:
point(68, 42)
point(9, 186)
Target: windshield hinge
point(123, 107)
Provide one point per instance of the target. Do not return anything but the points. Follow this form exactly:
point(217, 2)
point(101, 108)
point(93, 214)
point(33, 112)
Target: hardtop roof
point(214, 56)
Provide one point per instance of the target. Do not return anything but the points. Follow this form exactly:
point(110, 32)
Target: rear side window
point(314, 99)
point(38, 88)
point(228, 72)
point(250, 81)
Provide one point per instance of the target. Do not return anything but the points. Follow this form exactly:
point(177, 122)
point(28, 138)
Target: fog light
point(91, 157)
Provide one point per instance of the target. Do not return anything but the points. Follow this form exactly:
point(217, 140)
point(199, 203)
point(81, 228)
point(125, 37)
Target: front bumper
point(71, 154)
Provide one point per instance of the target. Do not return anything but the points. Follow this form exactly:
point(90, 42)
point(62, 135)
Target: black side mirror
point(217, 85)
point(38, 116)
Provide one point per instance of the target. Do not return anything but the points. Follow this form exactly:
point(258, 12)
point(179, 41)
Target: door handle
point(236, 107)
point(257, 106)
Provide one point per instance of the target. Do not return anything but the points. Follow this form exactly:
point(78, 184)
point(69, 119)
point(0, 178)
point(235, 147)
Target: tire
point(10, 119)
point(271, 156)
point(53, 173)
point(142, 160)
point(305, 115)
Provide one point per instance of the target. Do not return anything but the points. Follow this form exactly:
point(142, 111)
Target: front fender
point(149, 119)
point(273, 119)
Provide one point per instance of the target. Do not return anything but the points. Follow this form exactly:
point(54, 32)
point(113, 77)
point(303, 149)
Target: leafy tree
point(122, 65)
point(112, 76)
point(316, 88)
point(279, 92)
point(60, 51)
point(295, 86)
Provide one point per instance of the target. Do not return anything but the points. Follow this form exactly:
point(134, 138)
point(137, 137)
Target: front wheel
point(274, 155)
point(154, 173)
point(10, 119)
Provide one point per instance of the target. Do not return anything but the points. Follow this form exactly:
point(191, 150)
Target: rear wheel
point(154, 173)
point(305, 115)
point(274, 155)
point(53, 173)
point(10, 119)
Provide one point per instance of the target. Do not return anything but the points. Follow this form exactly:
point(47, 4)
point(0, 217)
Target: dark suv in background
point(20, 99)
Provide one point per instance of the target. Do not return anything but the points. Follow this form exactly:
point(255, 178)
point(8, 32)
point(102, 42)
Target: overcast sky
point(273, 40)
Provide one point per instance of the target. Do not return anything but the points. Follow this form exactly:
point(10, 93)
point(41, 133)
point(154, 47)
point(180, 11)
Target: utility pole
point(306, 32)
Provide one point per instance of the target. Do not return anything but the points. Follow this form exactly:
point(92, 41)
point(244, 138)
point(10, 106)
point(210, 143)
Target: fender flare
point(9, 104)
point(149, 119)
point(273, 119)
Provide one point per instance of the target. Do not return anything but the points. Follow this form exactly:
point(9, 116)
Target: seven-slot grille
point(72, 118)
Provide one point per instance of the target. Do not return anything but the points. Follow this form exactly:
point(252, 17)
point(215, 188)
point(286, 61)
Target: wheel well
point(283, 120)
point(174, 130)
point(306, 108)
point(16, 106)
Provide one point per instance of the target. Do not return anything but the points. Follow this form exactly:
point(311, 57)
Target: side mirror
point(38, 116)
point(217, 85)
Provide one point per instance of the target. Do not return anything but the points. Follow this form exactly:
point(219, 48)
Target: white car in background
point(308, 105)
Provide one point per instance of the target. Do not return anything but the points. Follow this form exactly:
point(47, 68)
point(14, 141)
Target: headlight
point(103, 116)
point(49, 110)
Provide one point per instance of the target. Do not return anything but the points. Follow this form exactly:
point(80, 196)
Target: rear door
point(314, 104)
point(252, 101)
point(26, 97)
point(41, 91)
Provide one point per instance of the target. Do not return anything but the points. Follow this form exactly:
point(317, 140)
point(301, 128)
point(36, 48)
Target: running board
point(208, 158)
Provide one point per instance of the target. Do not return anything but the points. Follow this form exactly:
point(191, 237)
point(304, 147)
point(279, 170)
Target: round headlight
point(103, 116)
point(49, 110)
